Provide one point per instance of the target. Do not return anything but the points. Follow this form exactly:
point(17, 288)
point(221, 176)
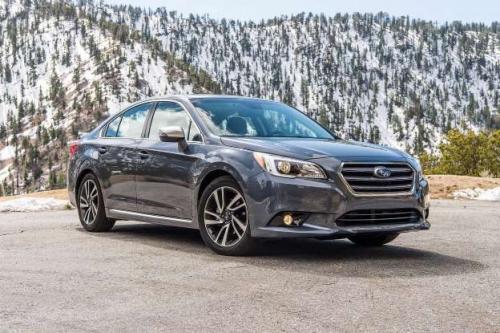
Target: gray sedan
point(240, 169)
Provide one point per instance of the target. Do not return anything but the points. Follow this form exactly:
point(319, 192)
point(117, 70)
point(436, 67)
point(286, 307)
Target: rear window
point(130, 124)
point(113, 127)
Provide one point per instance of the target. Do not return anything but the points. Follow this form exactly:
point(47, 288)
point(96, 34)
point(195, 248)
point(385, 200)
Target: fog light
point(288, 219)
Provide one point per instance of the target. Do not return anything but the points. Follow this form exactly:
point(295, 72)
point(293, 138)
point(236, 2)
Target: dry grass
point(56, 194)
point(442, 186)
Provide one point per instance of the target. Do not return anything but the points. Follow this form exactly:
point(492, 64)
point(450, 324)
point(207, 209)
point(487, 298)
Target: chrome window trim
point(381, 194)
point(102, 132)
point(154, 102)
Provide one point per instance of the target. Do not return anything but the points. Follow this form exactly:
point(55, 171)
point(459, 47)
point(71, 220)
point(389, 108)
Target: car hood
point(315, 148)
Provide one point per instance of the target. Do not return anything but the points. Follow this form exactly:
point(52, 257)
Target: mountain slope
point(63, 70)
point(374, 77)
point(66, 66)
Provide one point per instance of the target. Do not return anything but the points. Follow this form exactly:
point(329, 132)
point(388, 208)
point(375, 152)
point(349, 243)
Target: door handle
point(143, 154)
point(102, 150)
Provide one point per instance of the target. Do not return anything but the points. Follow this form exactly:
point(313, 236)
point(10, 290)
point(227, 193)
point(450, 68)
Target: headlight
point(416, 164)
point(287, 167)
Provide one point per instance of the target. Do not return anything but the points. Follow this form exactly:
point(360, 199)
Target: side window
point(172, 114)
point(113, 127)
point(133, 121)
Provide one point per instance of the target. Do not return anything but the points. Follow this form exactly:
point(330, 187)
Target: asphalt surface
point(56, 277)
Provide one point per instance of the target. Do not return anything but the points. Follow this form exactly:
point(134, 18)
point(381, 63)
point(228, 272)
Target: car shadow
point(331, 258)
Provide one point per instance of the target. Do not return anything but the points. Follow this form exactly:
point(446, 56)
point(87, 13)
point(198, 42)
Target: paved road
point(56, 277)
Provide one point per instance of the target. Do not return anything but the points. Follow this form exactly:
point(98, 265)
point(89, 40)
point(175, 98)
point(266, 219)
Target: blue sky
point(435, 10)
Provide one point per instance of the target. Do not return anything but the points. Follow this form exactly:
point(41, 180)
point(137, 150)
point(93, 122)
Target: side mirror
point(173, 134)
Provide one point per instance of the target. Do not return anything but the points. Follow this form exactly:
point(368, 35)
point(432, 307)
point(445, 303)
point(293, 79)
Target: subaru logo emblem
point(382, 172)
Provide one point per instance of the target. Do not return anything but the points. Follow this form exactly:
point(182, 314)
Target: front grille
point(362, 179)
point(379, 216)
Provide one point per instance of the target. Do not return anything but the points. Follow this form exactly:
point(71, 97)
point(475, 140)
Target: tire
point(373, 240)
point(223, 218)
point(90, 206)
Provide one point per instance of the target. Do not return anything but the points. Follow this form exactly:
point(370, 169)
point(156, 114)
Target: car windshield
point(245, 117)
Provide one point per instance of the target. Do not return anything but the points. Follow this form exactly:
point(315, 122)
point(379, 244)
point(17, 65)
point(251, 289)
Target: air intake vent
point(379, 178)
point(379, 216)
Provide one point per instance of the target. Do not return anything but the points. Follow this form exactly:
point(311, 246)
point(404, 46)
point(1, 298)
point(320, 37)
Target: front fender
point(238, 163)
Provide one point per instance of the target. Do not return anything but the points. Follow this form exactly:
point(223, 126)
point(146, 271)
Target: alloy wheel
point(89, 201)
point(225, 216)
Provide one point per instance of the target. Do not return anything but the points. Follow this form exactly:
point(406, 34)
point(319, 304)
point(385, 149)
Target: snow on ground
point(33, 205)
point(478, 194)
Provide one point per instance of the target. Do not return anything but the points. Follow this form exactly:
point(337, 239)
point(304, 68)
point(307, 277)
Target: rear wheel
point(373, 240)
point(91, 206)
point(224, 218)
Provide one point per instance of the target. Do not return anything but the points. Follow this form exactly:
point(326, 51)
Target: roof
point(184, 98)
point(194, 96)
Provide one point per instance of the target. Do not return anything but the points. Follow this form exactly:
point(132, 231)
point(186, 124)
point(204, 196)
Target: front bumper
point(324, 201)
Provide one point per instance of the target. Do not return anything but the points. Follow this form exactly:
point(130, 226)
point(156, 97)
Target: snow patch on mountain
point(7, 153)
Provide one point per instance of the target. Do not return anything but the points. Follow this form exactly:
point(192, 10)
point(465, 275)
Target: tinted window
point(113, 127)
point(133, 121)
point(257, 118)
point(172, 114)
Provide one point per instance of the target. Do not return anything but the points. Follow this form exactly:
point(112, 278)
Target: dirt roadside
point(56, 194)
point(442, 186)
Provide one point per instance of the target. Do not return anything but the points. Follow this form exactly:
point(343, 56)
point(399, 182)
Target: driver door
point(164, 179)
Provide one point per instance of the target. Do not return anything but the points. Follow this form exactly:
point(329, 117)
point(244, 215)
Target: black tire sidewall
point(101, 223)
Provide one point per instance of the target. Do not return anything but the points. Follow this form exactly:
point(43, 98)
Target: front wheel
point(373, 240)
point(224, 218)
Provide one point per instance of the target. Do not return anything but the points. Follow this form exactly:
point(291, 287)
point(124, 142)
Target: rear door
point(117, 149)
point(164, 172)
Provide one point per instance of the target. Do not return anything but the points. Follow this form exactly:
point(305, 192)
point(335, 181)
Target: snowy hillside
point(65, 66)
point(63, 70)
point(392, 80)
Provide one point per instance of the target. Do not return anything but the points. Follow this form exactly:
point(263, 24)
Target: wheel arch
point(81, 175)
point(209, 176)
